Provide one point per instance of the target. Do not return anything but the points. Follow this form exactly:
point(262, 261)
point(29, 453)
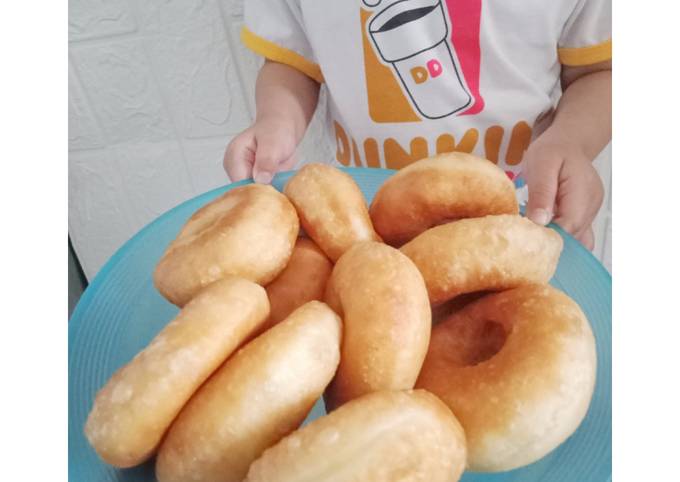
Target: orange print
point(386, 102)
point(396, 157)
point(492, 143)
point(447, 143)
point(419, 74)
point(371, 151)
point(342, 154)
point(355, 154)
point(519, 142)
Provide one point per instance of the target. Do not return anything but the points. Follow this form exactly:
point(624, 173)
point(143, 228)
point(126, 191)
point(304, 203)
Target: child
point(523, 83)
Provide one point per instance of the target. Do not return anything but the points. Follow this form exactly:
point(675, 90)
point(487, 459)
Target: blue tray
point(120, 312)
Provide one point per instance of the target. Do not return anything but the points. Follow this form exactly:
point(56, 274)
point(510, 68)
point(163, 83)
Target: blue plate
point(120, 312)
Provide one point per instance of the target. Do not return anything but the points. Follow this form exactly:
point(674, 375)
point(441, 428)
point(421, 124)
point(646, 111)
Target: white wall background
point(157, 88)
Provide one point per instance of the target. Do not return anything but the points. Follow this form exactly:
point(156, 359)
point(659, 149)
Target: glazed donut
point(440, 189)
point(382, 300)
point(257, 397)
point(248, 232)
point(518, 370)
point(135, 408)
point(331, 207)
point(479, 254)
point(379, 437)
point(304, 279)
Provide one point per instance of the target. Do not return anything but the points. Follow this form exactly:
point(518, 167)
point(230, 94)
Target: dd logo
point(421, 74)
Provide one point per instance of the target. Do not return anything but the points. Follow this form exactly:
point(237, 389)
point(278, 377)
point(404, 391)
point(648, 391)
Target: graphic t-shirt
point(411, 78)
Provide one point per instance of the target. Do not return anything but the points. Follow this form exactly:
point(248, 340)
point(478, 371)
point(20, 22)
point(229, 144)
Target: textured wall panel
point(248, 63)
point(83, 131)
point(607, 256)
point(603, 164)
point(205, 164)
point(154, 178)
point(98, 210)
point(89, 19)
point(118, 80)
point(188, 48)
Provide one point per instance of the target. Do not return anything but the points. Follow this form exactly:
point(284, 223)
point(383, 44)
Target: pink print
point(465, 18)
point(434, 67)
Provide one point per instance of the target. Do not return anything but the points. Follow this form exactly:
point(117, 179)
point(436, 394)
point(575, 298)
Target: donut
point(382, 300)
point(492, 253)
point(379, 437)
point(304, 279)
point(258, 396)
point(444, 310)
point(248, 232)
point(438, 189)
point(331, 207)
point(137, 405)
point(518, 370)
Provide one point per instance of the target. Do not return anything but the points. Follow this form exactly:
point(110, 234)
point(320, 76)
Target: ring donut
point(331, 207)
point(379, 437)
point(249, 232)
point(257, 397)
point(304, 279)
point(382, 300)
point(137, 405)
point(491, 253)
point(438, 189)
point(518, 370)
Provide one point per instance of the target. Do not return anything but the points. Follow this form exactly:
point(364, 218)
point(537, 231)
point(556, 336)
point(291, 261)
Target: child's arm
point(563, 184)
point(285, 100)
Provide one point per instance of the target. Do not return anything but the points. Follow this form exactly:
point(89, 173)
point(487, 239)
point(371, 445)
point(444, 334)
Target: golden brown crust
point(438, 189)
point(387, 321)
point(380, 437)
point(491, 253)
point(137, 405)
point(249, 232)
point(257, 397)
point(518, 370)
point(304, 279)
point(445, 310)
point(331, 207)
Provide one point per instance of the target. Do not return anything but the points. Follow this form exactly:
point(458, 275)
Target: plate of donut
point(443, 337)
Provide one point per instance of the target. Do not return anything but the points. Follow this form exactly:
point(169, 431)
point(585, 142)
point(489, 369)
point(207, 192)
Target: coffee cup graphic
point(411, 36)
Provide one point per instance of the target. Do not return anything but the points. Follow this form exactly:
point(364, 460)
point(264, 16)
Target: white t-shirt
point(411, 78)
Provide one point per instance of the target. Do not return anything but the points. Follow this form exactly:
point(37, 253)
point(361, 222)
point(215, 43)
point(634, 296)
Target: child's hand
point(285, 100)
point(563, 186)
point(260, 151)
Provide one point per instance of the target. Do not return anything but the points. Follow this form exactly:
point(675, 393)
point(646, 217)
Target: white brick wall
point(157, 89)
point(603, 222)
